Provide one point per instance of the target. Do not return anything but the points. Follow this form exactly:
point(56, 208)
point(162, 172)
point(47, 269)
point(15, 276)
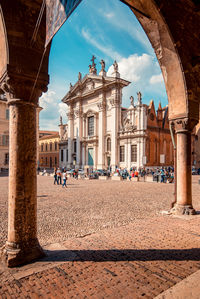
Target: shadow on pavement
point(123, 255)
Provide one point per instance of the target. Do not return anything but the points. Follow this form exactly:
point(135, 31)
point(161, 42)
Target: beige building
point(49, 149)
point(4, 133)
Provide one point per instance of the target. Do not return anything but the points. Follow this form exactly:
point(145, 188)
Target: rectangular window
point(42, 147)
point(91, 126)
point(67, 155)
point(7, 114)
point(55, 146)
point(122, 153)
point(74, 146)
point(5, 140)
point(134, 153)
point(55, 161)
point(46, 147)
point(46, 161)
point(50, 146)
point(6, 159)
point(61, 155)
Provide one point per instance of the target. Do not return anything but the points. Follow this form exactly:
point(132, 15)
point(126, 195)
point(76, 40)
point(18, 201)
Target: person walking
point(64, 177)
point(55, 176)
point(59, 179)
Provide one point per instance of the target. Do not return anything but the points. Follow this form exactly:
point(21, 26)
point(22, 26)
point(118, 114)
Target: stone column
point(22, 245)
point(115, 111)
point(129, 156)
point(70, 116)
point(83, 155)
point(183, 129)
point(101, 137)
point(79, 135)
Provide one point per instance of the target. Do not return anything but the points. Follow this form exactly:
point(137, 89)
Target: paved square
point(105, 240)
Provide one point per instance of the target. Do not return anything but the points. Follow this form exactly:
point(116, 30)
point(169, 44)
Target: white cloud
point(109, 15)
point(134, 68)
point(143, 72)
point(156, 79)
point(130, 25)
point(106, 49)
point(52, 109)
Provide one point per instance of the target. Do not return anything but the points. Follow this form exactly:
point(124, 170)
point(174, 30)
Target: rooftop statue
point(115, 65)
point(92, 68)
point(139, 95)
point(61, 120)
point(70, 85)
point(79, 76)
point(132, 100)
point(102, 65)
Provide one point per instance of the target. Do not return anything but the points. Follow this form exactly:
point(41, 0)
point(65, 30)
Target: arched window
point(109, 144)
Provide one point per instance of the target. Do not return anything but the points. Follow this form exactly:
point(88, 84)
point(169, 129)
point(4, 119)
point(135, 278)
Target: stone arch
point(164, 23)
point(3, 45)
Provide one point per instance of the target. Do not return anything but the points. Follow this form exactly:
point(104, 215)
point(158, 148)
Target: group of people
point(60, 178)
point(162, 175)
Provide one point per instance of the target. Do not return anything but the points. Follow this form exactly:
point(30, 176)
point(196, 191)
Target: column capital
point(78, 113)
point(101, 106)
point(70, 115)
point(114, 102)
point(183, 125)
point(24, 87)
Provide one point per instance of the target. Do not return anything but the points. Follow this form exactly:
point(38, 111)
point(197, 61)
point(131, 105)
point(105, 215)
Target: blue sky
point(109, 31)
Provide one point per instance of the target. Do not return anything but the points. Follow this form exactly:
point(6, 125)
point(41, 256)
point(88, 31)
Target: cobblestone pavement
point(109, 241)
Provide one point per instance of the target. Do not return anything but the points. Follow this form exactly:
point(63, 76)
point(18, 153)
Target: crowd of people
point(162, 175)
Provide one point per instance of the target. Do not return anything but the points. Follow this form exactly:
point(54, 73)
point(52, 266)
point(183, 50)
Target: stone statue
point(93, 59)
point(115, 65)
point(79, 76)
point(132, 100)
point(102, 65)
point(70, 85)
point(92, 68)
point(61, 120)
point(139, 95)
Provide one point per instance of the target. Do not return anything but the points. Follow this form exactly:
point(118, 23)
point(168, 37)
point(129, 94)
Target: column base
point(12, 255)
point(182, 210)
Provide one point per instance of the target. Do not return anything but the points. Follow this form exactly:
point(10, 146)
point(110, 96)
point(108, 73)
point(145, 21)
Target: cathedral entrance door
point(108, 161)
point(90, 157)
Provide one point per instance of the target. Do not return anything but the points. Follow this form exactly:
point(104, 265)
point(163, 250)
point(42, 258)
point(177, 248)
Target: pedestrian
point(55, 176)
point(64, 176)
point(162, 173)
point(59, 179)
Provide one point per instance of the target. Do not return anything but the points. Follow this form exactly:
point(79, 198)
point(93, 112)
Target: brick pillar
point(183, 129)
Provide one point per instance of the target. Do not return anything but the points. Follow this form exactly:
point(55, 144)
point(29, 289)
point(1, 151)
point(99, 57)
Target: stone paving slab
point(187, 288)
point(138, 260)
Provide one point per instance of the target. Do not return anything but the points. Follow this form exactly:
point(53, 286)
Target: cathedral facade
point(100, 133)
